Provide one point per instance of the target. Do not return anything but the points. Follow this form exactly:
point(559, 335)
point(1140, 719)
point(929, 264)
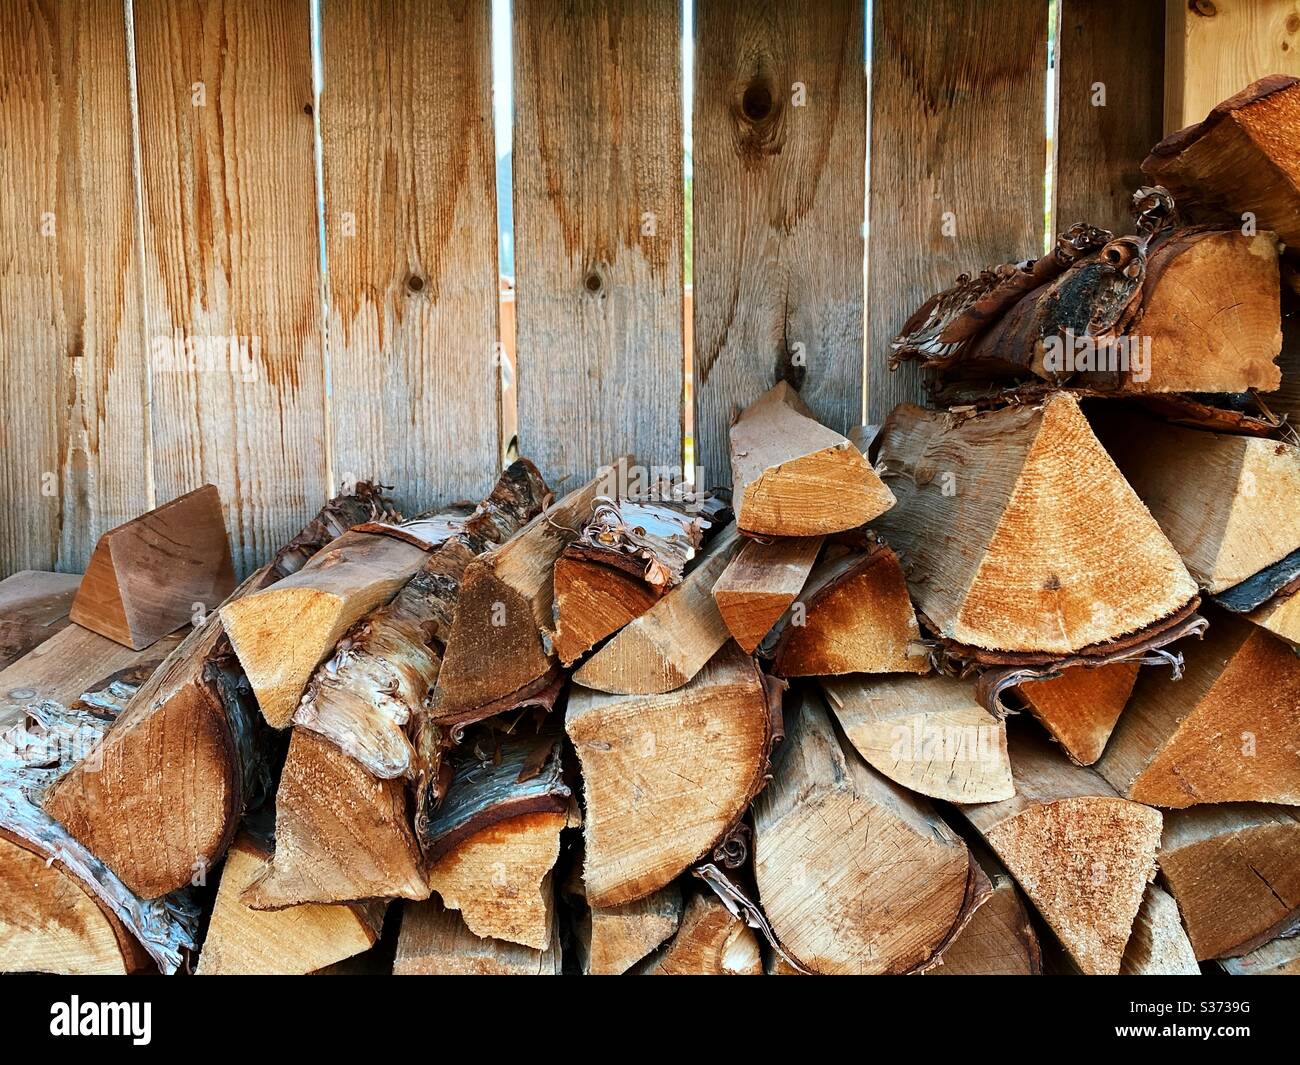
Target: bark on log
point(435, 942)
point(1278, 957)
point(33, 607)
point(709, 942)
point(760, 582)
point(1080, 707)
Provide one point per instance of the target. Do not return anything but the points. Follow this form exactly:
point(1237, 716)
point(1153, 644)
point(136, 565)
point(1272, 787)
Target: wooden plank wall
point(159, 197)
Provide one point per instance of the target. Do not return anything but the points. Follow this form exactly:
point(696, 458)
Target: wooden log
point(855, 874)
point(612, 939)
point(666, 776)
point(1080, 707)
point(293, 941)
point(1237, 160)
point(929, 734)
point(435, 942)
point(1280, 616)
point(153, 574)
point(1081, 853)
point(1278, 957)
point(1000, 939)
point(1223, 501)
point(795, 477)
point(709, 942)
point(760, 582)
point(1227, 732)
point(33, 607)
point(985, 503)
point(1234, 870)
point(669, 644)
point(1159, 946)
point(593, 601)
point(854, 615)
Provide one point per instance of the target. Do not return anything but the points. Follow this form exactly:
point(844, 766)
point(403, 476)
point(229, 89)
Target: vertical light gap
point(503, 126)
point(688, 241)
point(867, 17)
point(1051, 110)
point(318, 164)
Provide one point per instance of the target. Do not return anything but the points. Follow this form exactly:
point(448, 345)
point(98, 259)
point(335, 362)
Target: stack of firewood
point(1003, 686)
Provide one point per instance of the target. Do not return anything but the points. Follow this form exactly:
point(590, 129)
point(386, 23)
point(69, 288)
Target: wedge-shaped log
point(592, 601)
point(855, 874)
point(1159, 945)
point(1234, 870)
point(1240, 159)
point(150, 576)
point(1229, 731)
point(1011, 523)
point(1000, 939)
point(34, 606)
point(1080, 707)
point(666, 776)
point(1280, 616)
point(760, 582)
point(795, 477)
point(670, 643)
point(1081, 853)
point(710, 942)
point(929, 734)
point(435, 942)
point(612, 939)
point(293, 941)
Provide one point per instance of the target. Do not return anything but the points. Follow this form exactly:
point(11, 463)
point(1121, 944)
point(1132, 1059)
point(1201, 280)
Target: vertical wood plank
point(410, 236)
point(72, 404)
point(598, 232)
point(779, 146)
point(232, 276)
point(1215, 49)
point(958, 144)
point(1110, 85)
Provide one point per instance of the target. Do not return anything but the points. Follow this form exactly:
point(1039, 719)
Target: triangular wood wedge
point(1080, 707)
point(1280, 616)
point(856, 875)
point(1159, 945)
point(761, 581)
point(1234, 870)
point(593, 601)
point(612, 939)
point(666, 776)
point(435, 942)
point(1019, 533)
point(929, 734)
point(710, 942)
point(1081, 853)
point(792, 476)
point(1000, 939)
point(1229, 731)
point(34, 606)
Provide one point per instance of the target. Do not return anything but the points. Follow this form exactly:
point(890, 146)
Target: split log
point(1081, 853)
point(1080, 707)
point(435, 942)
point(1229, 731)
point(855, 874)
point(929, 734)
point(760, 582)
point(795, 477)
point(1000, 939)
point(1239, 159)
point(612, 939)
point(670, 643)
point(155, 573)
point(293, 941)
point(1234, 870)
point(1226, 503)
point(853, 616)
point(1278, 957)
point(709, 942)
point(667, 776)
point(498, 652)
point(1009, 521)
point(593, 601)
point(1280, 616)
point(1159, 946)
point(33, 607)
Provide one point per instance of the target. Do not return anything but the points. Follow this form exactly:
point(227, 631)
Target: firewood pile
point(1009, 685)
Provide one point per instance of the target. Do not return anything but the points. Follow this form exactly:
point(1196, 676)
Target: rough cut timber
point(1081, 853)
point(1159, 946)
point(1240, 158)
point(1234, 870)
point(157, 572)
point(1008, 524)
point(855, 874)
point(1229, 731)
point(710, 942)
point(760, 582)
point(498, 652)
point(853, 616)
point(1080, 707)
point(1226, 503)
point(929, 734)
point(293, 941)
point(612, 939)
point(1279, 957)
point(33, 607)
point(593, 601)
point(435, 942)
point(670, 643)
point(667, 776)
point(1000, 939)
point(792, 476)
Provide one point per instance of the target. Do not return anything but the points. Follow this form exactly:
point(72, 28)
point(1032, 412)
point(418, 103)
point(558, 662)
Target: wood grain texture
point(779, 141)
point(231, 251)
point(410, 239)
point(597, 167)
point(1115, 48)
point(34, 606)
point(957, 102)
point(72, 437)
